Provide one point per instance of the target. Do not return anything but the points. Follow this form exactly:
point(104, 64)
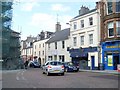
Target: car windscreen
point(36, 62)
point(70, 64)
point(55, 63)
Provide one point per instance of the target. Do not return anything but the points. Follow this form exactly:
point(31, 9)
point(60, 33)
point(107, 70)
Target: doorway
point(115, 61)
point(93, 62)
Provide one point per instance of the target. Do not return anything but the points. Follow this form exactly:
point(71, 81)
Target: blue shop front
point(111, 54)
point(80, 56)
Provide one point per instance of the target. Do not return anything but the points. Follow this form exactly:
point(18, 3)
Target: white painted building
point(56, 46)
point(39, 50)
point(85, 38)
point(27, 48)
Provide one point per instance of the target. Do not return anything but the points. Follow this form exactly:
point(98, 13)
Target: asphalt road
point(33, 78)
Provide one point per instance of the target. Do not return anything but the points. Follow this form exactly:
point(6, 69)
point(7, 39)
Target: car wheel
point(77, 70)
point(43, 72)
point(62, 74)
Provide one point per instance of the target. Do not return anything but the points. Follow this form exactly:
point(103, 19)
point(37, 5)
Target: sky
point(30, 17)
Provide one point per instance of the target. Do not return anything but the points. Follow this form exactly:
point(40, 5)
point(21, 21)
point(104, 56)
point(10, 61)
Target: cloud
point(28, 6)
point(43, 21)
point(60, 7)
point(47, 22)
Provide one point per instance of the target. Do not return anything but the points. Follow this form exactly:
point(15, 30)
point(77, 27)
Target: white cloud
point(47, 22)
point(43, 21)
point(60, 7)
point(28, 6)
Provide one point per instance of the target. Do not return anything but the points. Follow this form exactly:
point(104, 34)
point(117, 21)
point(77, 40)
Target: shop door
point(93, 62)
point(115, 61)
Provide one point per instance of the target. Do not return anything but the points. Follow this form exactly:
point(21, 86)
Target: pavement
point(81, 70)
point(101, 71)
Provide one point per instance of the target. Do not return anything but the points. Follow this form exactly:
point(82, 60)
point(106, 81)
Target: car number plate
point(56, 70)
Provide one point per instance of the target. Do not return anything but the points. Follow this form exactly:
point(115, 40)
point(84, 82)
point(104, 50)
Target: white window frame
point(75, 25)
point(74, 41)
point(90, 39)
point(49, 46)
point(82, 25)
point(91, 21)
point(117, 26)
point(82, 40)
point(110, 25)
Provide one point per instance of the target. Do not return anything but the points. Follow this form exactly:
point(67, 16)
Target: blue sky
point(30, 18)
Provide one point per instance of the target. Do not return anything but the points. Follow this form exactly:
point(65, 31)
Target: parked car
point(70, 67)
point(34, 64)
point(53, 67)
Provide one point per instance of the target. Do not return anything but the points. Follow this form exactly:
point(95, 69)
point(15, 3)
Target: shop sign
point(110, 60)
point(113, 46)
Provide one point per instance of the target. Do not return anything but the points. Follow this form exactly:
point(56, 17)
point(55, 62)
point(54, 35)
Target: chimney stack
point(58, 26)
point(83, 10)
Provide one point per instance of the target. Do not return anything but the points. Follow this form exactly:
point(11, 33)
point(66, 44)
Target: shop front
point(111, 55)
point(80, 56)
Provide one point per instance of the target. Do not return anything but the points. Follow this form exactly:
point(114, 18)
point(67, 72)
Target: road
point(33, 78)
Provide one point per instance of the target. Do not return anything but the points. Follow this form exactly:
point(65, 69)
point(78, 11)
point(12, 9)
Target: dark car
point(70, 67)
point(34, 64)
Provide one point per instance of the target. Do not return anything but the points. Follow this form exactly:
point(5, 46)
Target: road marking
point(20, 76)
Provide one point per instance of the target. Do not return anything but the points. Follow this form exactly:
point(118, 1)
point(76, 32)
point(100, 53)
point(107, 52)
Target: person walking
point(26, 64)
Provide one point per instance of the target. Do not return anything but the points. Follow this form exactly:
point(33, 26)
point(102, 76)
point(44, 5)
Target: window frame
point(118, 4)
point(91, 21)
point(74, 41)
point(108, 7)
point(63, 44)
point(82, 23)
point(75, 25)
point(109, 27)
point(82, 40)
point(90, 39)
point(118, 28)
point(55, 45)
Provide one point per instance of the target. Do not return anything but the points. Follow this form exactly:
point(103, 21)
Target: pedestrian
point(26, 64)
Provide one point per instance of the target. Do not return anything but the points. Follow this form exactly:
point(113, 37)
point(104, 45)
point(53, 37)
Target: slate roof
point(60, 35)
point(85, 13)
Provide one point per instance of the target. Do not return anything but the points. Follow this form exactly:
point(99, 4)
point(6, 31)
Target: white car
point(53, 67)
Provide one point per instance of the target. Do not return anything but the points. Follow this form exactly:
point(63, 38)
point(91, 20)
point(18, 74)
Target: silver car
point(53, 67)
